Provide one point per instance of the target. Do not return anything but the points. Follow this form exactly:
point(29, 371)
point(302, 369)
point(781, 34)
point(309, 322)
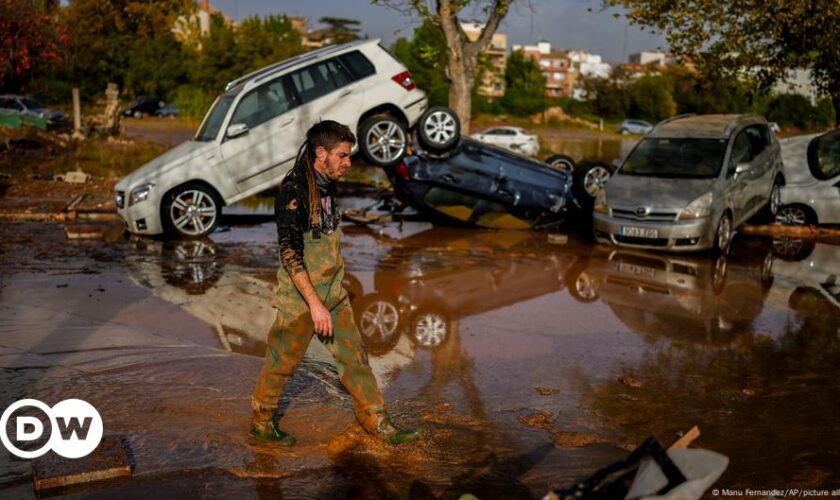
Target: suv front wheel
point(382, 140)
point(192, 211)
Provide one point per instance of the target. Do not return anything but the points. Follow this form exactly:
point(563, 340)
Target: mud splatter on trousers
point(293, 329)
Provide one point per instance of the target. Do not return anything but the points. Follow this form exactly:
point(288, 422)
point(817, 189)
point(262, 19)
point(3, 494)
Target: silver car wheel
point(193, 212)
point(429, 330)
point(792, 216)
point(594, 180)
point(386, 141)
point(379, 320)
point(440, 127)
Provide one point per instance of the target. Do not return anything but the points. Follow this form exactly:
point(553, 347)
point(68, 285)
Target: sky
point(566, 24)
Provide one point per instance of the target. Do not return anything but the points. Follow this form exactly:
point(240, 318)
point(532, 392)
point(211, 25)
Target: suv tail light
point(405, 80)
point(402, 171)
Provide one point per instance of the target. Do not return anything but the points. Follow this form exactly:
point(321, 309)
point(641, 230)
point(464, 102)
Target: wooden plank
point(686, 439)
point(110, 460)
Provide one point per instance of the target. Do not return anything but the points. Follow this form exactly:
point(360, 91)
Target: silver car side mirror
point(236, 130)
point(741, 168)
point(616, 163)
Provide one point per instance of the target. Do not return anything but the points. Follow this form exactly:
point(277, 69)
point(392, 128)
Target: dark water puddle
point(528, 364)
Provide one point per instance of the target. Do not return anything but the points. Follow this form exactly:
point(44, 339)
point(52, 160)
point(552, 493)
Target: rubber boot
point(391, 434)
point(264, 429)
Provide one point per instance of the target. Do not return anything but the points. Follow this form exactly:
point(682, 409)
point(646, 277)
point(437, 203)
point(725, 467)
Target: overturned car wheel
point(561, 162)
point(382, 140)
point(589, 179)
point(439, 129)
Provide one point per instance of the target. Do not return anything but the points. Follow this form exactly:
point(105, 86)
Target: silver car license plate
point(639, 232)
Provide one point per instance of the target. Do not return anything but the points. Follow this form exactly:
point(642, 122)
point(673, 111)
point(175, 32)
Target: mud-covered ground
point(528, 365)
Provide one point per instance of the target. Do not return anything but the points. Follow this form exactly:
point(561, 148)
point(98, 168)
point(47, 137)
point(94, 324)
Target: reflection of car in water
point(430, 280)
point(701, 299)
point(810, 285)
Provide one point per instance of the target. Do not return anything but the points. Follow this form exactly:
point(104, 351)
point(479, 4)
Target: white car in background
point(811, 194)
point(511, 138)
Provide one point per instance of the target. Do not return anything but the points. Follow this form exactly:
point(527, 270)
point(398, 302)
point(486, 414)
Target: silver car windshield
point(694, 158)
point(213, 121)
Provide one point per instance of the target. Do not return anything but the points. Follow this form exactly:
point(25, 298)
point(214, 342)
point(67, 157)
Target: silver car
point(690, 182)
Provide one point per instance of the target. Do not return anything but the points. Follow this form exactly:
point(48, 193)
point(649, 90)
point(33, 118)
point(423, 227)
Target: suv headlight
point(601, 202)
point(140, 193)
point(699, 208)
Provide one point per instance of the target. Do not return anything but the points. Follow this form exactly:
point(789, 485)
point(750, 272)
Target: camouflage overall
point(289, 337)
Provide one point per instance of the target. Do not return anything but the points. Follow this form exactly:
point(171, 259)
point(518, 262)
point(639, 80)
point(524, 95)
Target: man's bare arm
point(320, 315)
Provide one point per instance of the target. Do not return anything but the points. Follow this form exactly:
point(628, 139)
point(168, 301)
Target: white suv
point(249, 138)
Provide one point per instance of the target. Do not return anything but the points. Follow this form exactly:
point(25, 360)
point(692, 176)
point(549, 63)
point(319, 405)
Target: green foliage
point(524, 87)
point(795, 110)
point(651, 98)
point(759, 40)
point(426, 57)
point(193, 102)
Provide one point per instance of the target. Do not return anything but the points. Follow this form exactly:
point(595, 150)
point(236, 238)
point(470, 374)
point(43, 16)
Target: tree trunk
point(460, 93)
point(835, 102)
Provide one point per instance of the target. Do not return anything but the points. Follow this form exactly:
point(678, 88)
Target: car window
point(676, 158)
point(262, 104)
point(318, 80)
point(757, 140)
point(357, 64)
point(493, 131)
point(31, 103)
point(10, 104)
point(213, 121)
point(824, 156)
point(740, 150)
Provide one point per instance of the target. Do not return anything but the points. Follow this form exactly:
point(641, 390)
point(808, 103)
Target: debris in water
point(546, 391)
point(630, 382)
point(110, 460)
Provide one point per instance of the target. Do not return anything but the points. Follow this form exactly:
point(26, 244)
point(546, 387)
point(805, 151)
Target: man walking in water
point(310, 298)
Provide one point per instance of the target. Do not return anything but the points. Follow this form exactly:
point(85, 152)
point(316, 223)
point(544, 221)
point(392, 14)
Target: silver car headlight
point(140, 193)
point(699, 208)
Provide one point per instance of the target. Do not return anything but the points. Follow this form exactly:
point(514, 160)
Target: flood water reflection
point(474, 331)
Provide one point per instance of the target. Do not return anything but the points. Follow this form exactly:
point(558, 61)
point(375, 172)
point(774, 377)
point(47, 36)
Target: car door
point(760, 177)
point(736, 186)
point(261, 157)
point(824, 164)
point(327, 91)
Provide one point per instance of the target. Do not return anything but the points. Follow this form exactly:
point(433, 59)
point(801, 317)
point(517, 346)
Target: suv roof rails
point(306, 56)
point(677, 117)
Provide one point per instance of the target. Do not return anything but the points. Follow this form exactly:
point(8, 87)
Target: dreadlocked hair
point(327, 134)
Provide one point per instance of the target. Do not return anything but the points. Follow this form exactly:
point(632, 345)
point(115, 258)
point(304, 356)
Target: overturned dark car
point(483, 185)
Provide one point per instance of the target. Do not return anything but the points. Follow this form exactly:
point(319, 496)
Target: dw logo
point(75, 428)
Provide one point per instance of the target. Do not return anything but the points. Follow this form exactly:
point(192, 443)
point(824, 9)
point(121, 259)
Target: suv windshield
point(213, 121)
point(676, 158)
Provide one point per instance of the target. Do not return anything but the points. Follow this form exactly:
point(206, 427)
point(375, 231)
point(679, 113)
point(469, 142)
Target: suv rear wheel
point(382, 140)
point(192, 211)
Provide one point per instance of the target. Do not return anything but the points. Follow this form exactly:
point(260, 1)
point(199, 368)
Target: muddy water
point(528, 365)
point(586, 145)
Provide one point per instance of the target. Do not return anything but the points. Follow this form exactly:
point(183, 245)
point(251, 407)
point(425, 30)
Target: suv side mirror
point(616, 163)
point(741, 168)
point(236, 130)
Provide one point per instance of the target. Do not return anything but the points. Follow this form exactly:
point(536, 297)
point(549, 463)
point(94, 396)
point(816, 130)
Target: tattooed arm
point(291, 216)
